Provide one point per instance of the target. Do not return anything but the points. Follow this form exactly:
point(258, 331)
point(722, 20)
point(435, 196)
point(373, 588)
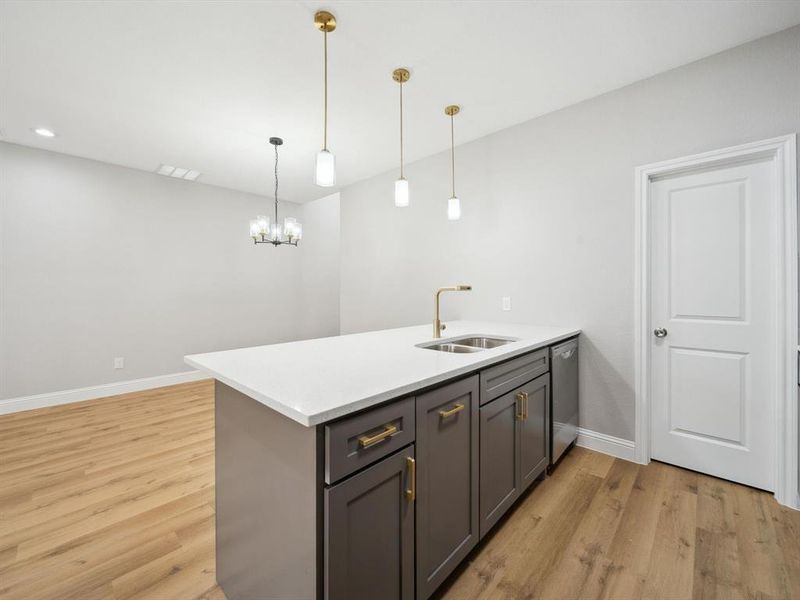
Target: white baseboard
point(12, 405)
point(607, 444)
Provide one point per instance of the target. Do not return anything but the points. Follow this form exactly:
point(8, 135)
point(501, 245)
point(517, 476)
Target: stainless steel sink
point(466, 344)
point(482, 342)
point(447, 347)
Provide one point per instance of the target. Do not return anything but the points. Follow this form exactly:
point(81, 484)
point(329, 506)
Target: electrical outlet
point(119, 362)
point(506, 302)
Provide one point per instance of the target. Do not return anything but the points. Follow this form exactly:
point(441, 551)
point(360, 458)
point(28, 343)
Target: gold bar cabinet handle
point(449, 413)
point(411, 492)
point(522, 399)
point(366, 441)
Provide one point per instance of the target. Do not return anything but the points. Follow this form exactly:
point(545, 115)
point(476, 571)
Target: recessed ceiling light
point(178, 172)
point(44, 132)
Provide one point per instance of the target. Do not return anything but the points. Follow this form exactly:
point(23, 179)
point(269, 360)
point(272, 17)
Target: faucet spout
point(438, 326)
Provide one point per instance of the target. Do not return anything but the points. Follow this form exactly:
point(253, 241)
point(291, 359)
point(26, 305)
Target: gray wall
point(548, 212)
point(100, 261)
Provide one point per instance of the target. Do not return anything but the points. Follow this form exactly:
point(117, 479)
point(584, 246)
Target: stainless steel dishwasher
point(564, 398)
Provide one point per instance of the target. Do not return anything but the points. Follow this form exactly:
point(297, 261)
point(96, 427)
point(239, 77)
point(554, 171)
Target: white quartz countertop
point(316, 381)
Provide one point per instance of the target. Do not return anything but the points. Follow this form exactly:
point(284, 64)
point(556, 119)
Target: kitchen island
point(366, 465)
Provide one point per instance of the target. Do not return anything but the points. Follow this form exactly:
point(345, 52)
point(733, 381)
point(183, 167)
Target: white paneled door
point(713, 315)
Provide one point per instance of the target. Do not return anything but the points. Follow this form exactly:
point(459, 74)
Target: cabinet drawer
point(354, 443)
point(498, 380)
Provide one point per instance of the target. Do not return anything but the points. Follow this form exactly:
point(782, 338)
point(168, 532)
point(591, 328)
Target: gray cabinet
point(369, 532)
point(533, 458)
point(513, 447)
point(499, 455)
point(384, 503)
point(447, 480)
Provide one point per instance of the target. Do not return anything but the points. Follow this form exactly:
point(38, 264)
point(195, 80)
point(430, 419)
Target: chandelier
point(264, 232)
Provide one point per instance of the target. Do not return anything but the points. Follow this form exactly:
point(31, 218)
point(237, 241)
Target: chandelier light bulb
point(263, 224)
point(292, 229)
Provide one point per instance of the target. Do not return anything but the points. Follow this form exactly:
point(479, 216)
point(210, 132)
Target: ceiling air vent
point(178, 172)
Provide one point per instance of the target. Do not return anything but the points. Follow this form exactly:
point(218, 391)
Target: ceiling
point(203, 85)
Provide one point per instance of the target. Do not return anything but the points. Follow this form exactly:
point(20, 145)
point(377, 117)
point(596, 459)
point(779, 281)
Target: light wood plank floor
point(114, 498)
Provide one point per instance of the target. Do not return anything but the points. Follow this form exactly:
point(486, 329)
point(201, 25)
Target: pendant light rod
point(401, 129)
point(452, 111)
point(325, 22)
point(401, 76)
point(325, 170)
point(452, 158)
point(325, 103)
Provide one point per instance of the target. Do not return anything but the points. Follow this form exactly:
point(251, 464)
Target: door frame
point(782, 152)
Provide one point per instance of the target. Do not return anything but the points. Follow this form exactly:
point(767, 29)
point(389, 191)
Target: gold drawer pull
point(449, 413)
point(366, 441)
point(411, 492)
point(522, 398)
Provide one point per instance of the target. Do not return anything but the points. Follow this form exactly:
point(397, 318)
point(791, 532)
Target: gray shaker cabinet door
point(369, 533)
point(499, 454)
point(533, 442)
point(447, 480)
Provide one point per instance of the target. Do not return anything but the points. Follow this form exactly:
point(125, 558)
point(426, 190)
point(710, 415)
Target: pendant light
point(260, 229)
point(453, 204)
point(401, 185)
point(326, 162)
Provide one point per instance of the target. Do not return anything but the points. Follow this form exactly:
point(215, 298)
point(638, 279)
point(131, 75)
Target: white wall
point(100, 261)
point(548, 211)
point(319, 268)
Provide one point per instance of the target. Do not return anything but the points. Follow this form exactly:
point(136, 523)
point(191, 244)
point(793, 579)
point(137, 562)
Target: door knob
point(660, 332)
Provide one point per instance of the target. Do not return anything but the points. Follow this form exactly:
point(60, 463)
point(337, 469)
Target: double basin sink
point(466, 344)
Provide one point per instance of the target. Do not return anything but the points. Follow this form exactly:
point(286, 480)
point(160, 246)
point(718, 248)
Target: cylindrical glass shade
point(263, 224)
point(326, 169)
point(276, 231)
point(454, 209)
point(291, 228)
point(254, 233)
point(401, 192)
